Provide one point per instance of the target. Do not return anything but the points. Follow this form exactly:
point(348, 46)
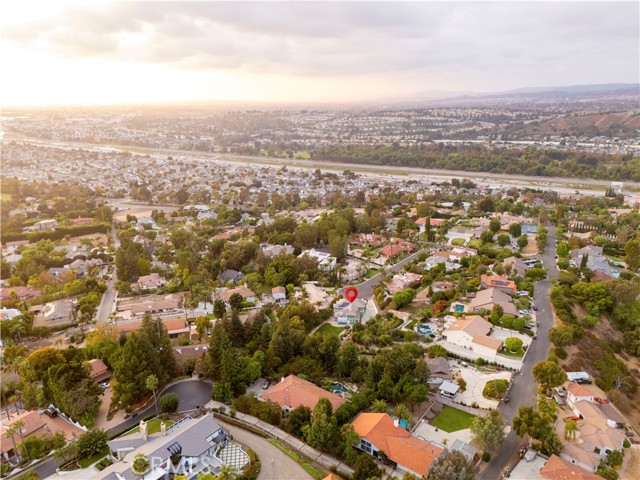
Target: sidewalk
point(272, 431)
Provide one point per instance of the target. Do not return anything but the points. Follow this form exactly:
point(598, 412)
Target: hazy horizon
point(145, 53)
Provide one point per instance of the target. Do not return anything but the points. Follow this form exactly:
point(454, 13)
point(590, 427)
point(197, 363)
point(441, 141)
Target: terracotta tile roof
point(578, 390)
point(99, 371)
point(557, 468)
point(474, 325)
point(487, 341)
point(242, 290)
point(332, 476)
point(397, 443)
point(172, 325)
point(294, 391)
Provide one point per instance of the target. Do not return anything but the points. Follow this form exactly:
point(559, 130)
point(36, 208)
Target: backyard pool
point(426, 330)
point(402, 423)
point(338, 388)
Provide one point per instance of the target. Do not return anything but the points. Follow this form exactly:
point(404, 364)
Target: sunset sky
point(99, 52)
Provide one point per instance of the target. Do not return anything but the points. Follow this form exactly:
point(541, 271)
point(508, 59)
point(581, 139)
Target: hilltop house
point(487, 299)
point(473, 333)
point(496, 281)
point(292, 391)
point(326, 262)
point(382, 437)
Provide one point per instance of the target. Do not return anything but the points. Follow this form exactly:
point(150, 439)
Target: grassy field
point(328, 329)
point(86, 461)
point(153, 426)
point(304, 462)
point(452, 419)
point(509, 353)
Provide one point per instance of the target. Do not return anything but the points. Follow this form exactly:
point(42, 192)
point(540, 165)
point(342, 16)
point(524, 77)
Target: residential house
point(54, 314)
point(578, 393)
point(42, 225)
point(149, 282)
point(316, 295)
point(292, 392)
point(353, 271)
point(473, 333)
point(366, 240)
point(595, 437)
point(439, 370)
point(441, 286)
point(463, 233)
point(448, 388)
point(153, 304)
point(19, 293)
point(487, 299)
point(271, 251)
point(435, 260)
point(326, 262)
point(382, 437)
point(246, 294)
point(594, 258)
point(189, 447)
point(358, 311)
point(36, 424)
point(175, 326)
point(396, 247)
point(518, 267)
point(558, 468)
point(501, 283)
point(433, 223)
point(9, 313)
point(400, 281)
point(99, 371)
point(279, 295)
point(231, 276)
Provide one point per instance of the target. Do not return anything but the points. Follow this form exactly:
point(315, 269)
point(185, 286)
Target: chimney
point(281, 379)
point(396, 423)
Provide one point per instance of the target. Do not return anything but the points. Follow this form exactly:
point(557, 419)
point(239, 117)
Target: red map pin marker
point(351, 293)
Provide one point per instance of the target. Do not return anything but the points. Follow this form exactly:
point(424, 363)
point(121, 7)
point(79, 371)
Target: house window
point(366, 446)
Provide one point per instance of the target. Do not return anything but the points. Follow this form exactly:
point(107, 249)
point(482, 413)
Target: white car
point(104, 384)
point(524, 312)
point(523, 293)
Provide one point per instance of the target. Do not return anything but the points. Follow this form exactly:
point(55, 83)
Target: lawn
point(153, 426)
point(509, 353)
point(86, 461)
point(372, 272)
point(328, 329)
point(452, 419)
point(304, 462)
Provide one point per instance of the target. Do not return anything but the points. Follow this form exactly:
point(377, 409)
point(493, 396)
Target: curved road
point(192, 393)
point(524, 387)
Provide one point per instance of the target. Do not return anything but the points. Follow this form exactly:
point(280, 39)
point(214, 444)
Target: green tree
point(169, 402)
point(632, 254)
point(503, 239)
point(402, 413)
point(513, 344)
point(92, 442)
point(515, 230)
point(152, 384)
point(348, 356)
point(570, 430)
point(235, 301)
point(297, 419)
point(451, 465)
point(523, 241)
point(494, 225)
point(549, 374)
point(379, 406)
point(322, 431)
point(219, 308)
point(404, 297)
point(350, 440)
point(365, 468)
point(488, 431)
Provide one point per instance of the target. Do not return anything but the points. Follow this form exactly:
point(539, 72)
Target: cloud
point(352, 38)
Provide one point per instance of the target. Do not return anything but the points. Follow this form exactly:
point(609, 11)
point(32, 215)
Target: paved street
point(275, 463)
point(523, 388)
point(107, 303)
point(365, 289)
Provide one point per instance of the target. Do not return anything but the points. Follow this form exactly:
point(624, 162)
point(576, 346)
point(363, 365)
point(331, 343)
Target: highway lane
point(192, 393)
point(523, 390)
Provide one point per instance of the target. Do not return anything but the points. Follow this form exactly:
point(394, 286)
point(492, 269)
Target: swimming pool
point(402, 423)
point(425, 330)
point(338, 388)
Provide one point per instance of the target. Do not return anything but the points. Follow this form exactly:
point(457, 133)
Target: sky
point(95, 52)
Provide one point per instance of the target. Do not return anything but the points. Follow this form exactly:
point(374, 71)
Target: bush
point(168, 403)
point(495, 388)
point(92, 442)
point(626, 443)
point(561, 353)
point(486, 456)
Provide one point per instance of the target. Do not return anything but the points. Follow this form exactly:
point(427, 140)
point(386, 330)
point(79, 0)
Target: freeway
point(192, 393)
point(523, 390)
point(559, 184)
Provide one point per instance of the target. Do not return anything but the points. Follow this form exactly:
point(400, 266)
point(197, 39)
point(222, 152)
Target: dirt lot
point(532, 246)
point(96, 239)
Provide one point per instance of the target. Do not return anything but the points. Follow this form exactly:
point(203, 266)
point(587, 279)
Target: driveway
point(475, 384)
point(500, 333)
point(523, 388)
point(275, 463)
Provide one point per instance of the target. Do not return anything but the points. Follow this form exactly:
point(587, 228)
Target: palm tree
point(11, 431)
point(18, 424)
point(403, 413)
point(152, 383)
point(18, 329)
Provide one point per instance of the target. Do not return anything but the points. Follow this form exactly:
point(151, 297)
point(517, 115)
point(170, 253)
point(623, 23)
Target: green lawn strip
point(372, 272)
point(328, 329)
point(451, 419)
point(509, 353)
point(304, 462)
point(153, 426)
point(87, 461)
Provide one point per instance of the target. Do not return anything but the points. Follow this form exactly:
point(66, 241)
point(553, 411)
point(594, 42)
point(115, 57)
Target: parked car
point(51, 412)
point(266, 384)
point(535, 309)
point(571, 418)
point(524, 312)
point(104, 384)
point(534, 336)
point(601, 401)
point(506, 399)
